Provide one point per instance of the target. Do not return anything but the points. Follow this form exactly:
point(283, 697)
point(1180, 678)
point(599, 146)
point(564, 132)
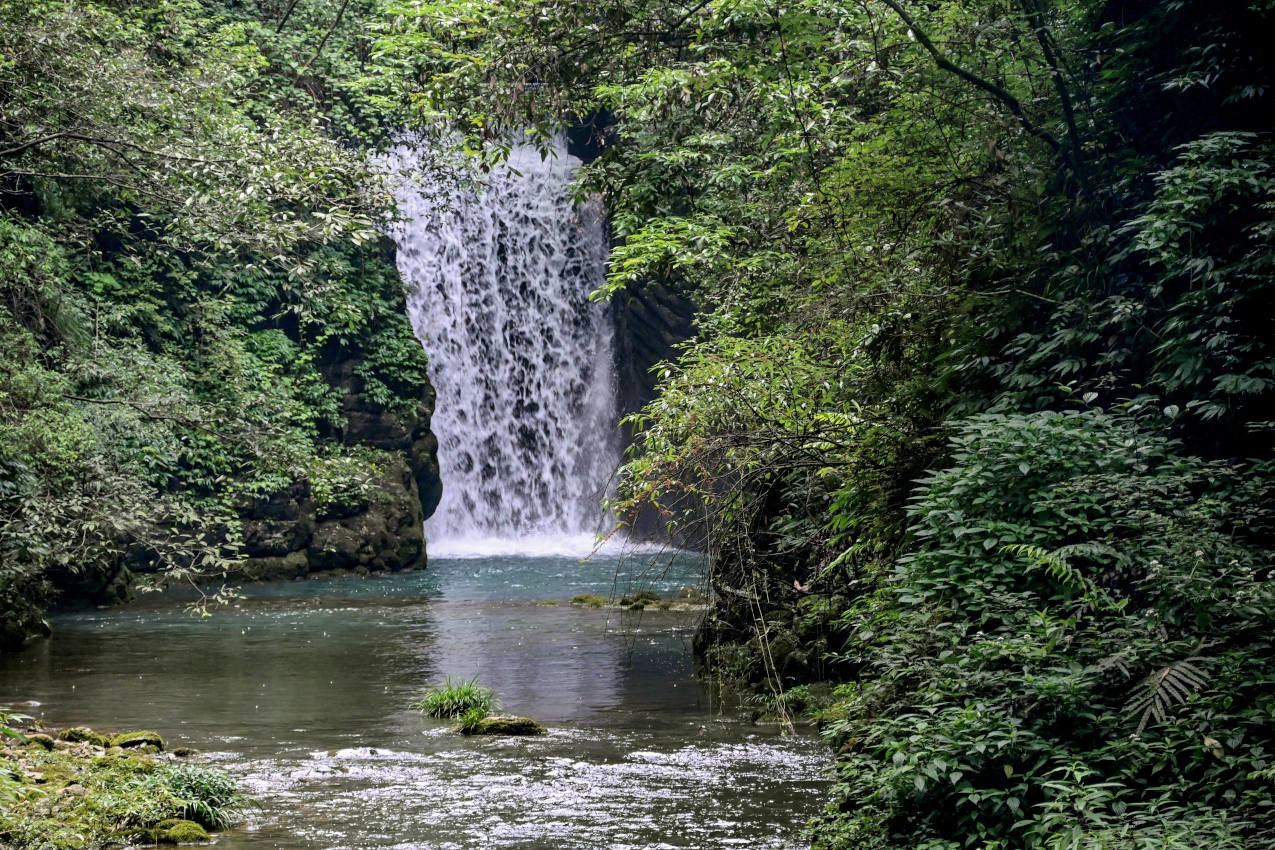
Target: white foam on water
point(578, 546)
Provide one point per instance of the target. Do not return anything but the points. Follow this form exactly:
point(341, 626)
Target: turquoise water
point(303, 690)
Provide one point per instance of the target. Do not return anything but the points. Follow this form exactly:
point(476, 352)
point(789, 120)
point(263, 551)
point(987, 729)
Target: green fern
point(1058, 565)
point(1166, 688)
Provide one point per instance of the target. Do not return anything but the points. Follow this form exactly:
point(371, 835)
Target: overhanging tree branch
point(111, 144)
point(31, 144)
point(1036, 19)
point(1001, 95)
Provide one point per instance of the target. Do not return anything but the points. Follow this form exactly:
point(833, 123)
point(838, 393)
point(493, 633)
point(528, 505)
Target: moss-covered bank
point(82, 789)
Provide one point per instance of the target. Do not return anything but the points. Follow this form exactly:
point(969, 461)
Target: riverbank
point(82, 789)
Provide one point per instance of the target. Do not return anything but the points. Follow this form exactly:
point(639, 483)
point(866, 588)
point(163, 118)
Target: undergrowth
point(53, 799)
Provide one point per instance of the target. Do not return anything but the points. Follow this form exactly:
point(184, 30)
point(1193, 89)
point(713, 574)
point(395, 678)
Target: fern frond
point(1119, 661)
point(1166, 688)
point(1057, 564)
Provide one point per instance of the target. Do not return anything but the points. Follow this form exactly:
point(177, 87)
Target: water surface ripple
point(302, 689)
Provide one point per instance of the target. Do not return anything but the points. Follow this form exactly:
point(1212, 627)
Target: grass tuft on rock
point(456, 699)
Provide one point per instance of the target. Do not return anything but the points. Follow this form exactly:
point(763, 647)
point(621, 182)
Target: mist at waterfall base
point(498, 281)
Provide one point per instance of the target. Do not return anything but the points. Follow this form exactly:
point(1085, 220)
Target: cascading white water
point(498, 282)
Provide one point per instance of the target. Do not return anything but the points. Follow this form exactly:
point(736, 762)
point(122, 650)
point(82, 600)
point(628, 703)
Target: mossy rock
point(39, 739)
point(182, 832)
point(129, 761)
point(590, 599)
point(138, 740)
point(54, 774)
point(641, 599)
point(140, 835)
point(83, 734)
point(505, 724)
point(185, 752)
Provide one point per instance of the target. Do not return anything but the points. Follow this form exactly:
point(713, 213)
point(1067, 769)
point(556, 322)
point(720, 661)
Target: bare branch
point(32, 143)
point(287, 14)
point(144, 408)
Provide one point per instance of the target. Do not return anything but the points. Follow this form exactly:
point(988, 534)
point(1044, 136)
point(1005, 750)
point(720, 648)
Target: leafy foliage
point(120, 797)
point(9, 720)
point(140, 105)
point(1041, 229)
point(208, 796)
point(1163, 689)
point(186, 260)
point(1121, 697)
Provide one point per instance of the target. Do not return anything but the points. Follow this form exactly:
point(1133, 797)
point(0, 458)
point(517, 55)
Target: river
point(303, 690)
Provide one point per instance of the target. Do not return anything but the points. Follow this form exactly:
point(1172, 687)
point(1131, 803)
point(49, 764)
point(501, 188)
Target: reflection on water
point(303, 688)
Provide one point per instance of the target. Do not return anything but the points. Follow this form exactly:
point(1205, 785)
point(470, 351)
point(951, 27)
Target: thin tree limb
point(1055, 73)
point(144, 409)
point(287, 14)
point(31, 144)
point(111, 144)
point(1003, 97)
point(336, 23)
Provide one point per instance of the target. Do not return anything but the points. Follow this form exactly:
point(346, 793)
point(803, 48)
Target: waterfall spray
point(498, 281)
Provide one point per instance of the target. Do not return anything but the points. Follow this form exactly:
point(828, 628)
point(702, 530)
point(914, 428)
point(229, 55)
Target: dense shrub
point(1076, 654)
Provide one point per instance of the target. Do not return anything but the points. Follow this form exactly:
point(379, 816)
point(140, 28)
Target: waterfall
point(498, 280)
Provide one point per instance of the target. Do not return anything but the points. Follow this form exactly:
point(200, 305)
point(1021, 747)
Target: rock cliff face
point(650, 320)
point(292, 533)
point(369, 424)
point(289, 535)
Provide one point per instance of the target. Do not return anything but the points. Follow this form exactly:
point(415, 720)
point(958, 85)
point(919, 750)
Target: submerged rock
point(504, 724)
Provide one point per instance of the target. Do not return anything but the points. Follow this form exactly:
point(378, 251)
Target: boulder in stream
point(174, 831)
point(504, 724)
